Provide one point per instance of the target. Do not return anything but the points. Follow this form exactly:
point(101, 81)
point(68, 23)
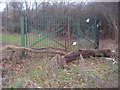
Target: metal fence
point(59, 32)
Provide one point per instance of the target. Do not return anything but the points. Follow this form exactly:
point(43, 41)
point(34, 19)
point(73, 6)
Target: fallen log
point(86, 53)
point(67, 56)
point(39, 50)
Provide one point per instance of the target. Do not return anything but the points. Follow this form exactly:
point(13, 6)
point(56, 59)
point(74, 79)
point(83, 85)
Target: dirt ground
point(100, 73)
point(109, 44)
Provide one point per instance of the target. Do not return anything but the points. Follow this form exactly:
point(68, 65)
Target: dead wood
point(66, 55)
point(34, 85)
point(86, 53)
point(35, 50)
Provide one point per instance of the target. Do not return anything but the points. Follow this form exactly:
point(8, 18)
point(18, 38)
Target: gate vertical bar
point(64, 24)
point(22, 34)
point(68, 31)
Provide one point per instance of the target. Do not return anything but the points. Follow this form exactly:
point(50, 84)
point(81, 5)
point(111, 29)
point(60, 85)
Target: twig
point(82, 67)
point(81, 63)
point(31, 83)
point(25, 84)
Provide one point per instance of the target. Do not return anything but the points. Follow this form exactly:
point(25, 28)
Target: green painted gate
point(59, 32)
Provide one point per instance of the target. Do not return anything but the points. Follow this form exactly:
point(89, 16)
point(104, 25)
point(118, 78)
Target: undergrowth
point(39, 71)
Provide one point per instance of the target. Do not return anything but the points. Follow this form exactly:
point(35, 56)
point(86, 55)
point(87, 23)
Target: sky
point(2, 5)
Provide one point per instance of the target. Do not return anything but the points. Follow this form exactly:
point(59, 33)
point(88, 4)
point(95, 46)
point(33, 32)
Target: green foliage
point(93, 74)
point(15, 84)
point(114, 68)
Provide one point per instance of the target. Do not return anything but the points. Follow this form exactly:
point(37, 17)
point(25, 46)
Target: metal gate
point(59, 32)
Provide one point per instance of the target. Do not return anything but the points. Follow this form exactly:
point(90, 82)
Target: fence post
point(22, 34)
point(26, 32)
point(96, 34)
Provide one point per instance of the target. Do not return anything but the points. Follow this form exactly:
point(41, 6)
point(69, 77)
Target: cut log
point(87, 53)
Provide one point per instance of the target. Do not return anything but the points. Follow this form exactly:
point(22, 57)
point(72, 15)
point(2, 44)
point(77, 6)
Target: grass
point(15, 39)
point(11, 39)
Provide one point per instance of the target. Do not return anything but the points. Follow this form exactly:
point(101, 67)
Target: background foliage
point(107, 12)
